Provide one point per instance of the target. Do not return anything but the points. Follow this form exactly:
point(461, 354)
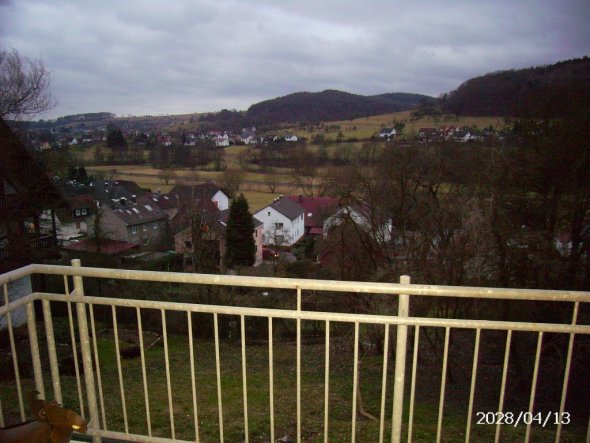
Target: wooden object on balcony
point(51, 424)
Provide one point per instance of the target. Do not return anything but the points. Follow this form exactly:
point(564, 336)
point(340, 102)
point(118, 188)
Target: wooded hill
point(329, 105)
point(543, 91)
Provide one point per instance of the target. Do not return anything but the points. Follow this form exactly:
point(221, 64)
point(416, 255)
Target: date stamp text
point(523, 418)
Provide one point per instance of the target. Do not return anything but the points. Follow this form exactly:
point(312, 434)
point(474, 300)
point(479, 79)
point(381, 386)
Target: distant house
point(379, 230)
point(387, 133)
point(290, 138)
point(71, 221)
point(222, 140)
point(316, 210)
point(212, 224)
point(139, 223)
point(111, 191)
point(283, 221)
point(462, 136)
point(208, 190)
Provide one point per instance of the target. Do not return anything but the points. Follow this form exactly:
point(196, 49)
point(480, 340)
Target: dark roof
point(223, 216)
point(138, 213)
point(105, 191)
point(318, 207)
point(66, 214)
point(208, 190)
point(163, 201)
point(109, 247)
point(286, 207)
point(18, 166)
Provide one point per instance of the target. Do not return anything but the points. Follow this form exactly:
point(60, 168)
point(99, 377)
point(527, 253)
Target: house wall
point(292, 230)
point(148, 235)
point(221, 200)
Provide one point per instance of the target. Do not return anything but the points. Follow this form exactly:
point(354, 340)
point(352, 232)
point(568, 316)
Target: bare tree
point(167, 174)
point(232, 180)
point(24, 86)
point(271, 182)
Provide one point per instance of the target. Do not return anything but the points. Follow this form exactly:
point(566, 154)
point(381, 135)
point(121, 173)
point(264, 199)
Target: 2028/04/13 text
point(523, 418)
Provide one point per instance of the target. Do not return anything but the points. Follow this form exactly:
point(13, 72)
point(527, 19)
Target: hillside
point(329, 105)
point(543, 91)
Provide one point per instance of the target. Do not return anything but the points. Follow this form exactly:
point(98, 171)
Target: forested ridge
point(542, 91)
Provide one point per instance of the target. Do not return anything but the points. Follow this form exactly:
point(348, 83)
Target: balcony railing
point(394, 391)
point(10, 201)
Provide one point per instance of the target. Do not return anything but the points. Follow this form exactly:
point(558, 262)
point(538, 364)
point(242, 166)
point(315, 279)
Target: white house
point(381, 230)
point(283, 222)
point(387, 133)
point(291, 138)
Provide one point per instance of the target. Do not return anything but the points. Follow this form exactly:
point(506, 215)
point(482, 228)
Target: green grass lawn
point(284, 362)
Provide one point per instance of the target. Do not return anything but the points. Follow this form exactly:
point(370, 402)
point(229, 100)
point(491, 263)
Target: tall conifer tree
point(240, 249)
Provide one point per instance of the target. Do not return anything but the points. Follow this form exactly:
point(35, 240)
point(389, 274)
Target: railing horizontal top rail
point(303, 284)
point(321, 316)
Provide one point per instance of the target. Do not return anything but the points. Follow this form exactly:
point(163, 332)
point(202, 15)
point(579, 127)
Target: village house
point(316, 210)
point(72, 220)
point(212, 225)
point(138, 223)
point(283, 222)
point(387, 133)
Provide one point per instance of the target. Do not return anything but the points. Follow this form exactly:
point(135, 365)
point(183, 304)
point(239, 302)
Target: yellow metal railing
point(92, 381)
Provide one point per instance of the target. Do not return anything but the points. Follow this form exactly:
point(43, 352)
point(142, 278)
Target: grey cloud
point(185, 56)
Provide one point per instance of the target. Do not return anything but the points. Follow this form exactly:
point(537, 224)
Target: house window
point(188, 244)
point(77, 213)
point(84, 212)
point(145, 241)
point(155, 226)
point(269, 213)
point(134, 229)
point(278, 225)
point(144, 228)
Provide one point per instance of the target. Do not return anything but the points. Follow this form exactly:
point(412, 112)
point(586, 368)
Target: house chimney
point(122, 201)
point(134, 198)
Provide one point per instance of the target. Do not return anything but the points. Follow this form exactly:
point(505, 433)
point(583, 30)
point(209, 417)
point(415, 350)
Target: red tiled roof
point(318, 207)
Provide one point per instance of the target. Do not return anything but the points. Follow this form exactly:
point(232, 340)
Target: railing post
point(35, 355)
point(86, 353)
point(403, 311)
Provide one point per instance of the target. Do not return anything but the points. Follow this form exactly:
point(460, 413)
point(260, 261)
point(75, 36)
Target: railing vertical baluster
point(355, 380)
point(271, 380)
point(74, 346)
point(566, 373)
point(168, 382)
point(120, 369)
point(534, 385)
point(244, 377)
point(472, 388)
point(53, 365)
point(503, 385)
point(97, 364)
point(143, 372)
point(193, 376)
point(2, 415)
point(14, 358)
point(86, 354)
point(298, 366)
point(403, 311)
point(413, 382)
point(443, 384)
point(218, 374)
point(384, 383)
point(37, 369)
point(327, 382)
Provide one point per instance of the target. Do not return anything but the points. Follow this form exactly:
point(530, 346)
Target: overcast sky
point(180, 56)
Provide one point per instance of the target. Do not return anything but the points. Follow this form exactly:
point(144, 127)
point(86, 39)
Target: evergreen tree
point(239, 242)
